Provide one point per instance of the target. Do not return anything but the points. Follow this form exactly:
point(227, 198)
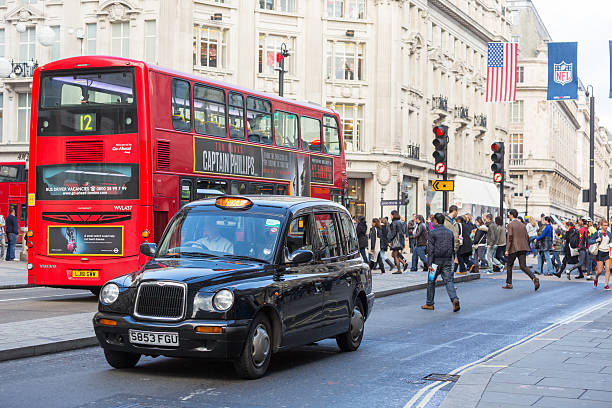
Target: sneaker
point(606, 287)
point(456, 306)
point(488, 272)
point(589, 277)
point(427, 307)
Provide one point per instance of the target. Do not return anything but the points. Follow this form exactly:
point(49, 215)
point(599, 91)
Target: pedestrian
point(12, 229)
point(546, 241)
point(430, 223)
point(2, 237)
point(375, 235)
point(384, 243)
point(440, 244)
point(517, 247)
point(480, 242)
point(420, 246)
point(501, 241)
point(410, 228)
point(451, 224)
point(492, 238)
point(583, 239)
point(469, 224)
point(362, 237)
point(465, 247)
point(602, 239)
point(570, 249)
point(591, 263)
point(532, 231)
point(558, 238)
point(395, 241)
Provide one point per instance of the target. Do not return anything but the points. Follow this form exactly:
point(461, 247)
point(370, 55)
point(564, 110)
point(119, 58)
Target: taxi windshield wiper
point(198, 254)
point(247, 258)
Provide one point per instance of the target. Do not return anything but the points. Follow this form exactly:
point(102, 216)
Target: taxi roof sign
point(233, 203)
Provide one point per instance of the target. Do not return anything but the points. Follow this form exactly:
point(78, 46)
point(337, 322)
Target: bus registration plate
point(154, 338)
point(82, 273)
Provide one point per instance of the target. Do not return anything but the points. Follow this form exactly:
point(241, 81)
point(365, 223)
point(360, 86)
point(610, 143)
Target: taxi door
point(302, 286)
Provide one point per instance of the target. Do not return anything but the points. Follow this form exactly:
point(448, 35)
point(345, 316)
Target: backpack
point(573, 239)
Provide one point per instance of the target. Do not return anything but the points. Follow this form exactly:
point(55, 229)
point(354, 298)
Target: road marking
point(49, 296)
point(433, 388)
point(440, 346)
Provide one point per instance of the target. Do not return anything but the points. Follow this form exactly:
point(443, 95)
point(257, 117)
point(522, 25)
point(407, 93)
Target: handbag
point(460, 236)
point(594, 248)
point(573, 251)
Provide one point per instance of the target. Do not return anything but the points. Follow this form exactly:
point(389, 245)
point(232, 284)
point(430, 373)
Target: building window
point(24, 103)
point(90, 38)
point(356, 197)
point(55, 47)
point(150, 39)
point(351, 116)
point(351, 9)
point(27, 44)
point(286, 6)
point(516, 112)
point(345, 60)
point(120, 44)
point(269, 53)
point(520, 74)
point(2, 42)
point(516, 146)
point(212, 45)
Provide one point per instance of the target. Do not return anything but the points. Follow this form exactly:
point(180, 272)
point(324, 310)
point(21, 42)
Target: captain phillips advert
point(91, 241)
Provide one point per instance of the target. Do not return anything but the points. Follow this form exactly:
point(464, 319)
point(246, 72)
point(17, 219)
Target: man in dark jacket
point(362, 237)
point(420, 244)
point(440, 247)
point(12, 230)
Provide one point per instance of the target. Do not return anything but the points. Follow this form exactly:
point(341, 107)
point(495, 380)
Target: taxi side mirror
point(300, 256)
point(148, 249)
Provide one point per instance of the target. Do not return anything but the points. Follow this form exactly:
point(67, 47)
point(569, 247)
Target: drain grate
point(441, 377)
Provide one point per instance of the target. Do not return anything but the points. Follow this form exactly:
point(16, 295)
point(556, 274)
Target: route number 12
point(86, 122)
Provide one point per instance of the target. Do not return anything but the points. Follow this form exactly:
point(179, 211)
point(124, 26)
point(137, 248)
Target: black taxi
point(240, 278)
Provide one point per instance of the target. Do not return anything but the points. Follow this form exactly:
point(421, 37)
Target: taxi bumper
point(226, 345)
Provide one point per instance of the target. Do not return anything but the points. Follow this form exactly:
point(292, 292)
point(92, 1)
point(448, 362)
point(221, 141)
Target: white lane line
point(41, 297)
point(433, 388)
point(440, 346)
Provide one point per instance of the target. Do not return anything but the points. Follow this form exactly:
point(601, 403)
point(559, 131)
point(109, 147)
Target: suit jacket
point(518, 239)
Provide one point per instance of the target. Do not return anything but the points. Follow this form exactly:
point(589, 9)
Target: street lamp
point(527, 194)
point(382, 195)
point(592, 193)
point(280, 57)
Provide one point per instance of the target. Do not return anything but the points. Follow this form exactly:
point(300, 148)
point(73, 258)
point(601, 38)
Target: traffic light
point(440, 143)
point(405, 198)
point(498, 161)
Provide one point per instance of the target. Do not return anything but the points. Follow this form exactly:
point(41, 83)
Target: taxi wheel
point(257, 351)
point(351, 339)
point(121, 359)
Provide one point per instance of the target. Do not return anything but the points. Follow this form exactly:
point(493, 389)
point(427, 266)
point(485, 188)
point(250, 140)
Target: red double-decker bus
point(118, 146)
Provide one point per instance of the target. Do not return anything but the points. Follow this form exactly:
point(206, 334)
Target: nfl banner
point(562, 71)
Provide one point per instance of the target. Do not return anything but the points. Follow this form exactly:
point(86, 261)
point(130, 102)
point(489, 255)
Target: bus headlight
point(109, 293)
point(223, 300)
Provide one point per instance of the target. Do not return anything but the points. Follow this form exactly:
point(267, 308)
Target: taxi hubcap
point(260, 345)
point(356, 324)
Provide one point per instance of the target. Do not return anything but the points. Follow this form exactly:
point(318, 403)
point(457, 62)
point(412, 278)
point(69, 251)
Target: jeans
point(12, 241)
point(491, 260)
point(531, 245)
point(362, 251)
point(479, 255)
point(418, 253)
point(464, 262)
point(445, 268)
point(549, 267)
point(500, 253)
point(556, 257)
point(2, 246)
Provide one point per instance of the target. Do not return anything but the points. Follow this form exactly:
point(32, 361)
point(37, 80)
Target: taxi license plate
point(154, 338)
point(81, 273)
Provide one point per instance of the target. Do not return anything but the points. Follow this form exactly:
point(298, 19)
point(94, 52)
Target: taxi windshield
point(237, 235)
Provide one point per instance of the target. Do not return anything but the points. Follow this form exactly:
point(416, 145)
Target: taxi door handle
point(349, 280)
point(318, 287)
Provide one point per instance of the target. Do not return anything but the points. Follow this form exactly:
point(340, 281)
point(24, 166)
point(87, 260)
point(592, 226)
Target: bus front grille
point(80, 151)
point(161, 301)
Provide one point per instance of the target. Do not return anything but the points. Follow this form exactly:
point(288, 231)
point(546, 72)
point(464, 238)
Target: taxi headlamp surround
point(223, 300)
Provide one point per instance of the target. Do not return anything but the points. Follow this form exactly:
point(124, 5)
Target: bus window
point(24, 213)
point(209, 110)
point(185, 193)
point(281, 189)
point(261, 189)
point(236, 116)
point(206, 188)
point(331, 136)
point(285, 129)
point(181, 105)
point(240, 187)
point(259, 120)
point(16, 208)
point(311, 134)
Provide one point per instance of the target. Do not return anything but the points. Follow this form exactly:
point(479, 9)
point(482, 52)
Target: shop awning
point(473, 191)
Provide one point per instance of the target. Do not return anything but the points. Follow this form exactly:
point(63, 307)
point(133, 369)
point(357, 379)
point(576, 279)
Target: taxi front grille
point(160, 301)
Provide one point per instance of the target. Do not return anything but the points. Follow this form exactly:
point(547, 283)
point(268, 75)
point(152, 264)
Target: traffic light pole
point(445, 194)
point(501, 199)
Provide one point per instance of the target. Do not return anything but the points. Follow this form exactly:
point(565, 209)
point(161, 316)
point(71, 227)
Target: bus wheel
point(121, 359)
point(95, 291)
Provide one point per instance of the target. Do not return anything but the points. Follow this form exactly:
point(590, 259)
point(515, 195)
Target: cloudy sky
point(588, 23)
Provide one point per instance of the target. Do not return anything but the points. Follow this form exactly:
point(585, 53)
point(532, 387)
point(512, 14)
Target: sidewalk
point(566, 365)
point(13, 274)
point(54, 334)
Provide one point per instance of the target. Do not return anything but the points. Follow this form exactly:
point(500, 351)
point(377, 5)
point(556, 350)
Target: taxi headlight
point(223, 300)
point(109, 293)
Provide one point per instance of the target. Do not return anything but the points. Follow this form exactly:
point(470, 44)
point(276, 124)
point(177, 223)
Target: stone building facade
point(392, 68)
point(548, 141)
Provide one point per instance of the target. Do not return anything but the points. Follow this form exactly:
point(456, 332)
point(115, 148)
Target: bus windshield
point(87, 103)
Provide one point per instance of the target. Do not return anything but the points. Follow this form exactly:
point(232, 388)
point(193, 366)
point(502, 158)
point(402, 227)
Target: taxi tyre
point(248, 365)
point(121, 359)
point(351, 339)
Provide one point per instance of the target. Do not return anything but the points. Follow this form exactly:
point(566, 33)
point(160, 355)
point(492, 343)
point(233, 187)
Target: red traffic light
point(496, 147)
point(440, 130)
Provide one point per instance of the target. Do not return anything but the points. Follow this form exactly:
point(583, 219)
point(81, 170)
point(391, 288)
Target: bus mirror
point(148, 249)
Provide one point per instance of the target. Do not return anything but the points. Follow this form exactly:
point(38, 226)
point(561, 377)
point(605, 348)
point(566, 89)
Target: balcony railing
point(462, 112)
point(23, 69)
point(517, 162)
point(480, 121)
point(414, 151)
point(439, 102)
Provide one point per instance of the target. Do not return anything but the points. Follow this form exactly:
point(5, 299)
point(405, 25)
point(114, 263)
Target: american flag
point(501, 72)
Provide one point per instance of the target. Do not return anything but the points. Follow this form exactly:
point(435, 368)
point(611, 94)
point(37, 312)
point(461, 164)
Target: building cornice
point(457, 15)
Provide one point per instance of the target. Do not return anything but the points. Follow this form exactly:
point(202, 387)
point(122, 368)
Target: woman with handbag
point(545, 240)
point(601, 241)
point(480, 244)
point(362, 237)
point(570, 254)
point(375, 235)
point(395, 240)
